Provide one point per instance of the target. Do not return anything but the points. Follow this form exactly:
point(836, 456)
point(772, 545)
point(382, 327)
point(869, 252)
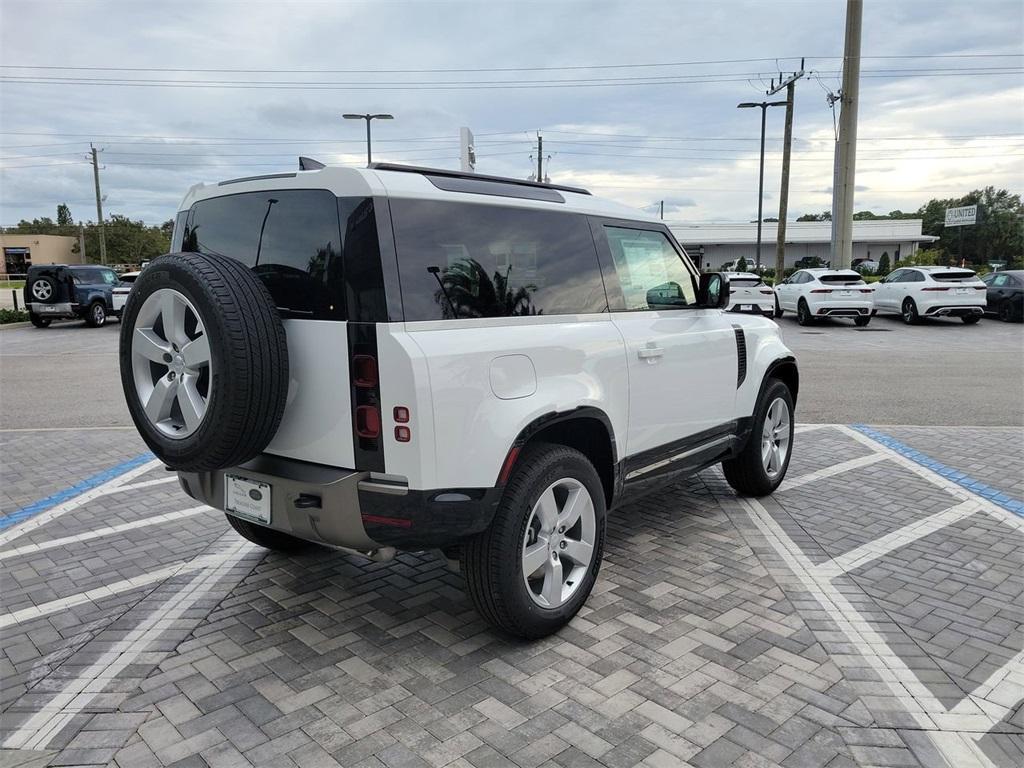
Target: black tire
point(267, 537)
point(39, 321)
point(970, 319)
point(909, 312)
point(491, 561)
point(746, 472)
point(96, 315)
point(48, 282)
point(248, 356)
point(803, 313)
point(860, 322)
point(1006, 312)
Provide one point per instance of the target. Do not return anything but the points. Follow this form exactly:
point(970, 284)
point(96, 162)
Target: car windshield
point(841, 279)
point(954, 277)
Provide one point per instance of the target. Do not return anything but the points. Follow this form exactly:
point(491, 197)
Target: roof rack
point(475, 176)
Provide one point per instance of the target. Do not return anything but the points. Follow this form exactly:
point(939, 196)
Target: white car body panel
point(317, 421)
point(580, 364)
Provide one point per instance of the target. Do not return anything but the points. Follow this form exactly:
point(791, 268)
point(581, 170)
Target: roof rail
point(475, 176)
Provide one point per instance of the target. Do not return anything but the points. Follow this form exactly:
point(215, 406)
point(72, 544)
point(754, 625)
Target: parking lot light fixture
point(760, 179)
point(368, 118)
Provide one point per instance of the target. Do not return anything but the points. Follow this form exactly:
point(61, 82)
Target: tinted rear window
point(842, 279)
point(290, 238)
point(745, 282)
point(462, 260)
point(953, 277)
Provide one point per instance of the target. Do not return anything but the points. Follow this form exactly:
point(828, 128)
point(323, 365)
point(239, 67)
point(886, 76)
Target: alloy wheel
point(775, 438)
point(559, 542)
point(171, 363)
point(42, 290)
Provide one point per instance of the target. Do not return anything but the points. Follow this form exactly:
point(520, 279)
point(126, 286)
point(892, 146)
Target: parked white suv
point(817, 293)
point(397, 358)
point(749, 293)
point(916, 292)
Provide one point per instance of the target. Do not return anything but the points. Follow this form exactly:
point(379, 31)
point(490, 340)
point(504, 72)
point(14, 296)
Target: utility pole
point(467, 152)
point(846, 158)
point(99, 205)
point(81, 241)
point(540, 157)
point(760, 176)
point(662, 210)
point(787, 148)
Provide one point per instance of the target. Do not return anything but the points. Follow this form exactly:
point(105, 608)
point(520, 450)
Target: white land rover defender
point(407, 358)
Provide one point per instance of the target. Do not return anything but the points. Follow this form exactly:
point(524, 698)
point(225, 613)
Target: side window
point(895, 277)
point(109, 277)
point(1000, 280)
point(467, 260)
point(290, 239)
point(82, 276)
point(650, 271)
point(913, 276)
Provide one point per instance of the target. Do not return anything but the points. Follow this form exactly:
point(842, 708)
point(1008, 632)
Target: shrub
point(13, 316)
point(883, 264)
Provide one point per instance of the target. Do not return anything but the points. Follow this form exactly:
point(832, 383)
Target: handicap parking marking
point(21, 521)
point(948, 474)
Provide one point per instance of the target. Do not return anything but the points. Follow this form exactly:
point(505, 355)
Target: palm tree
point(467, 291)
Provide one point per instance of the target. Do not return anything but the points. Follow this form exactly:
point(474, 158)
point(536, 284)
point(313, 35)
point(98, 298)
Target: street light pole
point(760, 179)
point(368, 118)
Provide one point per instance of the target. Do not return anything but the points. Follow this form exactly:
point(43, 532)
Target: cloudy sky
point(636, 100)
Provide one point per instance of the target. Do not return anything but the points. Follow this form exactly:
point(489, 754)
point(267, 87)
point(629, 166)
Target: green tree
point(741, 265)
point(823, 216)
point(998, 234)
point(64, 216)
point(866, 216)
point(883, 264)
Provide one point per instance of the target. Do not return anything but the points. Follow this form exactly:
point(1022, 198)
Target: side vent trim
point(741, 355)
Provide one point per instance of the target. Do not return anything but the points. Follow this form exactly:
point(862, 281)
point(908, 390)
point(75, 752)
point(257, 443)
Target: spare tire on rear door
point(204, 361)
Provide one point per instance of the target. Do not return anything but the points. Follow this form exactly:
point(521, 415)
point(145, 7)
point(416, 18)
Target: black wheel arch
point(585, 428)
point(785, 370)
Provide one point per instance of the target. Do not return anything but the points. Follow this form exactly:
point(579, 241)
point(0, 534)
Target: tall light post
point(368, 118)
point(760, 179)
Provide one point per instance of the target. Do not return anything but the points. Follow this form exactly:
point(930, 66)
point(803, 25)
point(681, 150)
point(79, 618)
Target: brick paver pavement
point(851, 619)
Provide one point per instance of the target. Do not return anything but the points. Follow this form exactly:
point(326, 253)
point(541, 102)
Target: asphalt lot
point(870, 612)
point(941, 373)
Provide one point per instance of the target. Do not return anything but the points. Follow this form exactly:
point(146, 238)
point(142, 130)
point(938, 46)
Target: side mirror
point(713, 291)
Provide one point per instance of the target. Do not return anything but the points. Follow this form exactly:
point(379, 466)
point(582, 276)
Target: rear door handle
point(650, 353)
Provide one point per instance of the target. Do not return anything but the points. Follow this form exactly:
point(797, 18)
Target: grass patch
point(12, 284)
point(13, 316)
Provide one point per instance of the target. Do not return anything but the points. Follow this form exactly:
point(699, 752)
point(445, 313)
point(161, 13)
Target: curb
point(12, 326)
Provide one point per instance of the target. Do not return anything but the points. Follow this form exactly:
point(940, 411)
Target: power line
point(563, 68)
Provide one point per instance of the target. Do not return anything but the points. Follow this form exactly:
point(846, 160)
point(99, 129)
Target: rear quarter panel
point(578, 360)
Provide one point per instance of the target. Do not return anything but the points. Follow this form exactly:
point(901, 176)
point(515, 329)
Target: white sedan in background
point(122, 289)
point(749, 293)
point(916, 292)
point(817, 293)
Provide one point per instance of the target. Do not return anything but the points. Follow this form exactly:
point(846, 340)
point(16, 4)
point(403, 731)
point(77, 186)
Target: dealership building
point(22, 251)
point(718, 243)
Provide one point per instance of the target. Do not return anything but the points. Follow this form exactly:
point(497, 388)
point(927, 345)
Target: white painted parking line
point(72, 504)
point(145, 484)
point(954, 490)
point(799, 429)
point(901, 537)
point(99, 593)
point(109, 530)
point(1005, 687)
point(40, 729)
point(835, 469)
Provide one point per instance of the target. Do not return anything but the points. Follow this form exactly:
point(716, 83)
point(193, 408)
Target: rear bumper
point(57, 309)
point(347, 508)
point(951, 310)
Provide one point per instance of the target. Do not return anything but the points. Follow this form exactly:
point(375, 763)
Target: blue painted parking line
point(987, 492)
point(6, 521)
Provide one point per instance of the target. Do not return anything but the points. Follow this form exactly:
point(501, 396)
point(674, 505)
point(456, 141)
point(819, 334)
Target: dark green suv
point(57, 291)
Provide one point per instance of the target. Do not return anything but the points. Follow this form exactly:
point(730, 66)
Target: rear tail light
point(822, 290)
point(867, 290)
point(401, 414)
point(364, 371)
point(403, 434)
point(367, 421)
point(768, 291)
point(936, 288)
point(981, 287)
